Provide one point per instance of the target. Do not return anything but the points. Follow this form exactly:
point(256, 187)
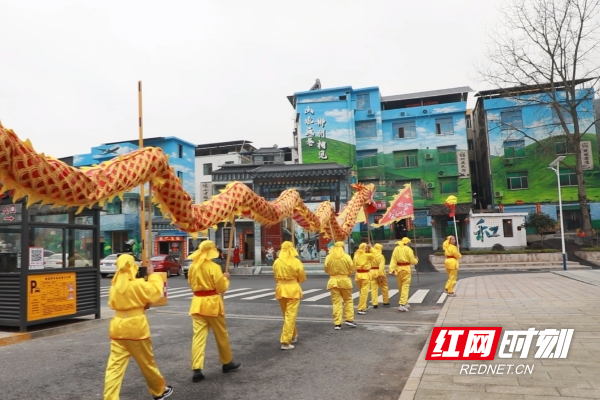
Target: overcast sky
point(217, 70)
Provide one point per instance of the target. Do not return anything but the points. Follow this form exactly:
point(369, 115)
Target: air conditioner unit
point(508, 161)
point(498, 194)
point(402, 114)
point(428, 156)
point(369, 112)
point(441, 173)
point(424, 111)
point(430, 185)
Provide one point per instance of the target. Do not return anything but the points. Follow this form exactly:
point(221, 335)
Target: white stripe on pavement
point(304, 292)
point(391, 293)
point(418, 296)
point(442, 298)
point(258, 296)
point(245, 293)
point(317, 297)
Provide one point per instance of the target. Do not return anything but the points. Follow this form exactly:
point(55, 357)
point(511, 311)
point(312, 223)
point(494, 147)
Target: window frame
point(445, 150)
point(443, 121)
point(205, 167)
point(370, 154)
point(360, 126)
point(444, 182)
point(396, 126)
point(408, 155)
point(509, 116)
point(523, 178)
point(570, 175)
point(363, 101)
point(518, 148)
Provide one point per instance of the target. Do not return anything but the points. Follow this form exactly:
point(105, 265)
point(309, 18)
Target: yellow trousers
point(202, 325)
point(120, 352)
point(363, 285)
point(337, 297)
point(375, 285)
point(289, 309)
point(403, 278)
point(452, 275)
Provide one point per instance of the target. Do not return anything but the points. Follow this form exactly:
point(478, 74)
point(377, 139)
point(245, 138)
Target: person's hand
point(149, 269)
point(226, 275)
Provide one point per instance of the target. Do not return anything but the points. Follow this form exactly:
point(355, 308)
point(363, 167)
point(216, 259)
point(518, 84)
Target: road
point(372, 361)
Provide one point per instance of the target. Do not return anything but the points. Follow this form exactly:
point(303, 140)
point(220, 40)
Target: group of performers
point(130, 333)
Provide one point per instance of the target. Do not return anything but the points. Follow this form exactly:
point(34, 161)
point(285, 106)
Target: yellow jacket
point(138, 295)
point(452, 255)
point(379, 263)
point(289, 274)
point(207, 276)
point(339, 270)
point(362, 265)
point(402, 259)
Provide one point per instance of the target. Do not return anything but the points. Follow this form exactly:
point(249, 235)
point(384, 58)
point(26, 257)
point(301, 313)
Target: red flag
point(451, 204)
point(402, 207)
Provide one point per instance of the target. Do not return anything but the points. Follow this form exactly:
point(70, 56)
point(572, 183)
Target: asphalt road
point(372, 361)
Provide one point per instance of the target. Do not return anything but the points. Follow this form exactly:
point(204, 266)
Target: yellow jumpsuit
point(362, 266)
point(339, 267)
point(289, 273)
point(400, 265)
point(130, 333)
point(207, 310)
point(452, 256)
point(378, 277)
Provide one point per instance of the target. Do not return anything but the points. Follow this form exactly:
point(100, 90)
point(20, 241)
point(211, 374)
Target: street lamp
point(555, 166)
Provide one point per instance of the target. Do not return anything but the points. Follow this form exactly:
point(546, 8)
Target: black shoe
point(386, 304)
point(232, 366)
point(198, 375)
point(375, 307)
point(351, 323)
point(168, 391)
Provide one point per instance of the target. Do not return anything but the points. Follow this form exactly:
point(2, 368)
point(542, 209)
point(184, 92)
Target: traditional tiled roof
point(436, 210)
point(296, 170)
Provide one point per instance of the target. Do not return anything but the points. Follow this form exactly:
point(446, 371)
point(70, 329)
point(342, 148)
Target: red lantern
point(370, 208)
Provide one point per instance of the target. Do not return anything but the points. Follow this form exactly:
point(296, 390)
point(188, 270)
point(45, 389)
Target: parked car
point(187, 263)
point(166, 263)
point(76, 260)
point(108, 264)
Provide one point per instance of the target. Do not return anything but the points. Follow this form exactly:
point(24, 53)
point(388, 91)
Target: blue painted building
point(120, 220)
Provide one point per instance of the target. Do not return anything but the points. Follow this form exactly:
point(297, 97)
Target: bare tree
point(549, 49)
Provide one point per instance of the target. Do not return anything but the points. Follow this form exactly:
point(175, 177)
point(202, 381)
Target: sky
point(217, 70)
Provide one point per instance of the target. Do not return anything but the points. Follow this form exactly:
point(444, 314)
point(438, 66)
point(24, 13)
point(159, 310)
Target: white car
point(108, 264)
point(56, 261)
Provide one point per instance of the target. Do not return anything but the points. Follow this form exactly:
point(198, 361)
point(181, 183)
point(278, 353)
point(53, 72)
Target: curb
point(575, 278)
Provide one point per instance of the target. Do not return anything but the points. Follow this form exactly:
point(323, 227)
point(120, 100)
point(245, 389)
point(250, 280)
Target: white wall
point(216, 161)
point(486, 230)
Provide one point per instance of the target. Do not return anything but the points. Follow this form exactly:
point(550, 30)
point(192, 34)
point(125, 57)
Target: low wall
point(591, 256)
point(502, 258)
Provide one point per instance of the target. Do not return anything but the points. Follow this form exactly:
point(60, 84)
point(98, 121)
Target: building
point(389, 141)
point(518, 134)
point(120, 219)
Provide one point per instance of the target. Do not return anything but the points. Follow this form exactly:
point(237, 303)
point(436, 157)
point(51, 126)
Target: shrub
point(498, 247)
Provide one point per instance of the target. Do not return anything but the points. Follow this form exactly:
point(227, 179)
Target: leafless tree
point(549, 49)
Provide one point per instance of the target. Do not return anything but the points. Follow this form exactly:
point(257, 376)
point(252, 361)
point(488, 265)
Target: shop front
point(174, 244)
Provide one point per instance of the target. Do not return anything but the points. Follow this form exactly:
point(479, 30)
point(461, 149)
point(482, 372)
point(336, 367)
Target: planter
point(591, 256)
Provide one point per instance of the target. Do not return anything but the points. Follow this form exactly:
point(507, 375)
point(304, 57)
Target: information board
point(51, 295)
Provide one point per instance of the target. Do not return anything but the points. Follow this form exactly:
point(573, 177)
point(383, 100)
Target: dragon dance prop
point(48, 180)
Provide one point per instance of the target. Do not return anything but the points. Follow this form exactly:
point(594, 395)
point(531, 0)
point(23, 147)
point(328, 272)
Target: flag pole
point(415, 241)
point(455, 232)
point(142, 195)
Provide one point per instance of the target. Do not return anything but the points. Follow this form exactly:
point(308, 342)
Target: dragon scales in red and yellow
point(45, 179)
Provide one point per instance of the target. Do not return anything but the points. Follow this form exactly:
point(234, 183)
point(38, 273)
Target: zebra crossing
point(309, 295)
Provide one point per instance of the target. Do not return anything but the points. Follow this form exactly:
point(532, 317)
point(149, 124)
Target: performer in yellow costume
point(339, 267)
point(403, 258)
point(378, 277)
point(129, 330)
point(451, 263)
point(289, 273)
point(362, 264)
point(207, 310)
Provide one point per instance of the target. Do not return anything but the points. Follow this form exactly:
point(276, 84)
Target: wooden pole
point(292, 232)
point(142, 195)
point(415, 241)
point(231, 234)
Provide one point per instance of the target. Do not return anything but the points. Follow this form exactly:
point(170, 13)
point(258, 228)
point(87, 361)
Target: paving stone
point(587, 394)
point(540, 390)
point(557, 383)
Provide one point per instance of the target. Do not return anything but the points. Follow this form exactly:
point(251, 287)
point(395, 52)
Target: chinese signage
point(587, 159)
point(316, 132)
point(206, 191)
point(463, 164)
point(381, 204)
point(51, 295)
point(169, 238)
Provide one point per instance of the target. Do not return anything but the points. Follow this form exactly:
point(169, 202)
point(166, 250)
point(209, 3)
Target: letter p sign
point(33, 287)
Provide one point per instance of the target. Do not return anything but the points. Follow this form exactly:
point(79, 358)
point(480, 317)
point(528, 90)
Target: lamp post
point(555, 166)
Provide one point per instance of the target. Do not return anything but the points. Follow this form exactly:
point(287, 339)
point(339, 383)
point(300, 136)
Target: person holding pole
point(289, 273)
point(378, 277)
point(129, 330)
point(208, 282)
point(362, 264)
point(403, 258)
point(339, 267)
point(452, 256)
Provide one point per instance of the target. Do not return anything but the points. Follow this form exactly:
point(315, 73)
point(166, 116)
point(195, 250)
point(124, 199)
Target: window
point(468, 122)
point(564, 147)
point(228, 162)
point(517, 180)
point(565, 114)
point(180, 176)
point(507, 227)
point(114, 207)
point(444, 126)
point(447, 154)
point(514, 148)
point(511, 120)
point(405, 130)
point(415, 186)
point(568, 177)
point(180, 150)
point(207, 169)
point(363, 101)
point(405, 159)
point(365, 129)
point(268, 159)
point(366, 158)
point(449, 185)
point(226, 233)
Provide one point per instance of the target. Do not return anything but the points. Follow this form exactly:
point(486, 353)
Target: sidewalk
point(562, 299)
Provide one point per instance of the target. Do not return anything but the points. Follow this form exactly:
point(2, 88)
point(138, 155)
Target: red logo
point(463, 343)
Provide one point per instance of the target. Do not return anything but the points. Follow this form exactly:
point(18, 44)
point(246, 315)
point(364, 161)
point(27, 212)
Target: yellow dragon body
point(46, 179)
